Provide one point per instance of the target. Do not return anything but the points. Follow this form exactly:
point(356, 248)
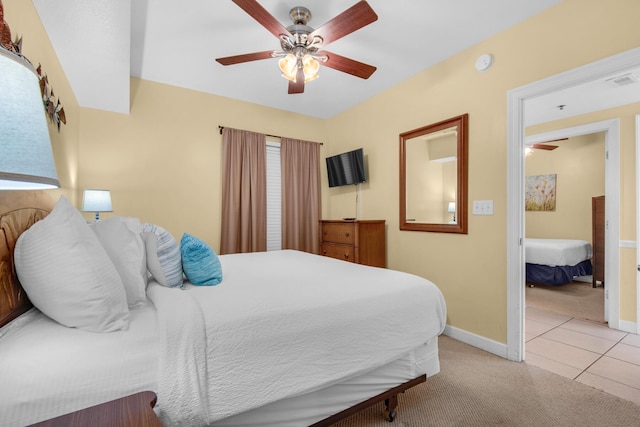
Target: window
point(274, 199)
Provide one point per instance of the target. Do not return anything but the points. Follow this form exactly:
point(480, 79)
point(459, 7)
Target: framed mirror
point(433, 177)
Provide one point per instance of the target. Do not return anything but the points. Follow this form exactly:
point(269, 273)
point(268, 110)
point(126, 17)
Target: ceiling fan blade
point(298, 85)
point(543, 146)
point(247, 57)
point(352, 19)
point(260, 14)
point(553, 140)
point(347, 65)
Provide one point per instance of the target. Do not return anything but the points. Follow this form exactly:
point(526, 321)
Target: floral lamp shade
point(26, 157)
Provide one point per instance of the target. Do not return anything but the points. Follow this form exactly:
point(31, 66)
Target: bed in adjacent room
point(557, 262)
point(285, 339)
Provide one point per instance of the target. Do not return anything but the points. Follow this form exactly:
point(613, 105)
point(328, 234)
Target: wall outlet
point(483, 207)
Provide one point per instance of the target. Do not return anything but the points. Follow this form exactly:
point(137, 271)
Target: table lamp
point(452, 209)
point(96, 201)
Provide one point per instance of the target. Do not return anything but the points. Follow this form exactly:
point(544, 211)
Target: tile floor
point(588, 352)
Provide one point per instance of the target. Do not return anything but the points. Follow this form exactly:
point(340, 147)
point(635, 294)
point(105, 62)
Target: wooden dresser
point(598, 230)
point(359, 241)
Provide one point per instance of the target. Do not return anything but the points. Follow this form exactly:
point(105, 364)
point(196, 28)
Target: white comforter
point(47, 370)
point(556, 252)
point(280, 324)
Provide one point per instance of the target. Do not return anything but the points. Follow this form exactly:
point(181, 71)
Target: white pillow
point(68, 275)
point(163, 256)
point(121, 237)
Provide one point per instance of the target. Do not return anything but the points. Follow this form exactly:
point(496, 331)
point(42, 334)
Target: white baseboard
point(486, 344)
point(627, 326)
point(500, 349)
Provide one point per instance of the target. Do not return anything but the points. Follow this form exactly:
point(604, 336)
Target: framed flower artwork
point(540, 193)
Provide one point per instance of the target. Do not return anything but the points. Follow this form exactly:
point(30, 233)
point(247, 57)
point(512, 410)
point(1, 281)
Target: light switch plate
point(483, 207)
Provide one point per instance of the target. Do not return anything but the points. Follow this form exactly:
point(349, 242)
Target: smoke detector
point(483, 63)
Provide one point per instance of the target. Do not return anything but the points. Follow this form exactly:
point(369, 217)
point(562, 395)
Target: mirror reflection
point(432, 166)
point(433, 177)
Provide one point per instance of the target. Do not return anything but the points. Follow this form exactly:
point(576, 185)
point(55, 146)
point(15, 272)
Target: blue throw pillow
point(199, 262)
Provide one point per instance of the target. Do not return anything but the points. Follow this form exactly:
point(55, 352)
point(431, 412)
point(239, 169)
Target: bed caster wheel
point(389, 415)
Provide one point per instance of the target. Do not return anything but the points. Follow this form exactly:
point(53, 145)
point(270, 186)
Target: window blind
point(274, 198)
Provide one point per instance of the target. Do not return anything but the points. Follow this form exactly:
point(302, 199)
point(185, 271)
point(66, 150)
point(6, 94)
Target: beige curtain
point(300, 163)
point(244, 192)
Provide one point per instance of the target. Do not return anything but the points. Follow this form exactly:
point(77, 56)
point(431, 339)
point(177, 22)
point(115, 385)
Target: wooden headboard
point(18, 211)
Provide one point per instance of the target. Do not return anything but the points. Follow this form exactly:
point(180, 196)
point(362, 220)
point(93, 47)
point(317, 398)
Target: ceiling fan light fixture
point(288, 65)
point(310, 68)
point(300, 56)
point(307, 78)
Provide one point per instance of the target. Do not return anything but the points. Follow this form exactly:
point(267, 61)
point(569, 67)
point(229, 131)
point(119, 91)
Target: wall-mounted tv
point(346, 168)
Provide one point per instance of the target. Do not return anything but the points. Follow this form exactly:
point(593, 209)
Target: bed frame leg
point(390, 407)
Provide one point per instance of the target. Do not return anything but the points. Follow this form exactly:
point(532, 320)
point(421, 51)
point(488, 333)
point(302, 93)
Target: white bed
point(557, 261)
point(287, 339)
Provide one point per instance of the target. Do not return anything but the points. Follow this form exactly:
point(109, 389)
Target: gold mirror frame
point(461, 201)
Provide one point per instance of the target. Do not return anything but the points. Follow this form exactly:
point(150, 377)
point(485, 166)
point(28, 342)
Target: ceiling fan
point(301, 45)
point(544, 146)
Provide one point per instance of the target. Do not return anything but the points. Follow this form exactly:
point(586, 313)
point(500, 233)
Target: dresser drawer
point(343, 252)
point(358, 241)
point(338, 233)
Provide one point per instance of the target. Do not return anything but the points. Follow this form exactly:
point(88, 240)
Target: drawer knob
point(346, 256)
point(346, 234)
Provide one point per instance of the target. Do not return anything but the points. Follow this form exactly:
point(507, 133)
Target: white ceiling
point(591, 96)
point(100, 43)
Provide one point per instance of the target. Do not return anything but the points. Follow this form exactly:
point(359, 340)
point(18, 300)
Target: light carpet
point(476, 388)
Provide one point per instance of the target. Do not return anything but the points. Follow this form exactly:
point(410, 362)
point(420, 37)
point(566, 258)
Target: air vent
point(623, 80)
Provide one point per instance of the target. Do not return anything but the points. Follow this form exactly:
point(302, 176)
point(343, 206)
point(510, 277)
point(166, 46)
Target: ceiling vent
point(623, 80)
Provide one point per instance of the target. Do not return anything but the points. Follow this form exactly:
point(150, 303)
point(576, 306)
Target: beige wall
point(162, 162)
point(471, 269)
point(579, 165)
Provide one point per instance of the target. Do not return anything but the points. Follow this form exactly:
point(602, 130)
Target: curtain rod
point(273, 136)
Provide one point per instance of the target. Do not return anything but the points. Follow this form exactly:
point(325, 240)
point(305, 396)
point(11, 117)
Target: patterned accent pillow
point(199, 262)
point(163, 256)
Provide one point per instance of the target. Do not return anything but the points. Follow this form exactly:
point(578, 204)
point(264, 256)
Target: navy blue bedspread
point(555, 276)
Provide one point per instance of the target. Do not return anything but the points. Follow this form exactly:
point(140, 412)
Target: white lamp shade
point(452, 207)
point(96, 201)
point(26, 158)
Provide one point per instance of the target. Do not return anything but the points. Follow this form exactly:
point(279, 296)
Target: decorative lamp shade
point(96, 201)
point(310, 67)
point(452, 207)
point(26, 158)
point(289, 67)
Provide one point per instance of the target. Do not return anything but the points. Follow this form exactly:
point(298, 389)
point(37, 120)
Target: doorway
point(577, 167)
point(515, 190)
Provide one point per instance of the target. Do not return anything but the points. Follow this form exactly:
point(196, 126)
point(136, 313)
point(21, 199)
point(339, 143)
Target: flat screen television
point(346, 168)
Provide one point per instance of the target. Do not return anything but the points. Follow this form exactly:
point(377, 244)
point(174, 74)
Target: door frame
point(516, 99)
point(637, 223)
